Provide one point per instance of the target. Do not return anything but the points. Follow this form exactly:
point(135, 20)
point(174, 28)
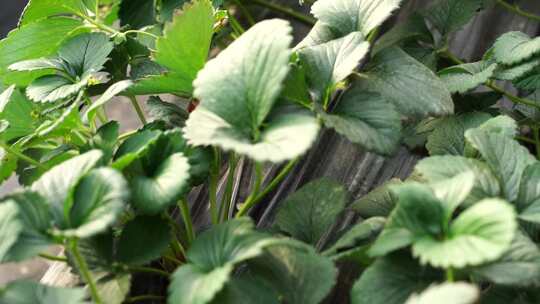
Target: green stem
point(273, 184)
point(20, 155)
point(227, 196)
point(212, 190)
point(53, 257)
point(148, 270)
point(138, 109)
point(99, 25)
point(236, 26)
point(127, 135)
point(373, 35)
point(517, 10)
point(245, 12)
point(285, 10)
point(250, 201)
point(186, 216)
point(142, 33)
point(525, 139)
point(83, 268)
point(97, 10)
point(450, 274)
point(537, 141)
point(145, 298)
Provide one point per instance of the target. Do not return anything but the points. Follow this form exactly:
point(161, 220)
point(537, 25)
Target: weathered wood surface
point(334, 157)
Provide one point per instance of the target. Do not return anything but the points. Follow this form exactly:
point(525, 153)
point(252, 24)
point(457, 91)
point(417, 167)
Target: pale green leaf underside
point(465, 77)
point(112, 91)
point(514, 47)
point(447, 293)
point(287, 136)
point(27, 292)
point(10, 227)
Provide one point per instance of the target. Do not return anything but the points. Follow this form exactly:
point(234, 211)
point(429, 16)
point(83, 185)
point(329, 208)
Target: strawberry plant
point(463, 228)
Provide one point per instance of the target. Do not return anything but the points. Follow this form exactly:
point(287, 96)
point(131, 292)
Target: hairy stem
point(517, 10)
point(285, 10)
point(53, 257)
point(450, 274)
point(188, 223)
point(251, 200)
point(212, 190)
point(536, 133)
point(138, 109)
point(227, 196)
point(87, 276)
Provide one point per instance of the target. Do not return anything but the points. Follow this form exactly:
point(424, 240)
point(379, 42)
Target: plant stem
point(144, 298)
point(273, 184)
point(99, 25)
point(286, 11)
point(53, 257)
point(537, 141)
point(245, 12)
point(142, 33)
point(236, 26)
point(373, 35)
point(250, 201)
point(97, 10)
point(148, 270)
point(517, 10)
point(186, 216)
point(525, 139)
point(137, 108)
point(226, 201)
point(20, 155)
point(83, 268)
point(127, 135)
point(450, 274)
point(212, 190)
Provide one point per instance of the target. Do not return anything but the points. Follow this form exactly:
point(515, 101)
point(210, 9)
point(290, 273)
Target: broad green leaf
point(37, 64)
point(449, 137)
point(86, 53)
point(528, 200)
point(413, 29)
point(367, 119)
point(439, 169)
point(515, 47)
point(448, 16)
point(98, 199)
point(500, 124)
point(378, 202)
point(57, 184)
point(296, 88)
point(296, 272)
point(447, 293)
point(529, 82)
point(10, 227)
point(173, 115)
point(453, 192)
point(319, 34)
point(418, 213)
point(51, 88)
point(330, 63)
point(287, 136)
point(311, 211)
point(482, 233)
point(114, 288)
point(137, 13)
point(516, 71)
point(35, 40)
point(505, 156)
point(212, 258)
point(464, 77)
point(242, 83)
point(27, 292)
point(347, 16)
point(183, 50)
point(391, 280)
point(105, 139)
point(63, 123)
point(246, 289)
point(112, 91)
point(413, 88)
point(168, 7)
point(8, 165)
point(162, 188)
point(519, 266)
point(17, 111)
point(134, 147)
point(356, 241)
point(143, 239)
point(38, 9)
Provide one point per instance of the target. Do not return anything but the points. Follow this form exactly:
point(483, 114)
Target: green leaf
point(505, 156)
point(168, 8)
point(320, 33)
point(112, 91)
point(105, 139)
point(246, 290)
point(163, 187)
point(242, 83)
point(356, 241)
point(64, 123)
point(37, 64)
point(296, 272)
point(38, 9)
point(212, 258)
point(378, 202)
point(311, 211)
point(482, 233)
point(519, 266)
point(413, 88)
point(183, 50)
point(134, 147)
point(447, 293)
point(26, 292)
point(516, 71)
point(515, 47)
point(529, 82)
point(51, 88)
point(418, 213)
point(8, 165)
point(413, 29)
point(330, 63)
point(112, 287)
point(501, 124)
point(10, 227)
point(367, 119)
point(17, 111)
point(391, 280)
point(465, 77)
point(137, 13)
point(57, 184)
point(86, 53)
point(528, 200)
point(449, 137)
point(35, 40)
point(438, 169)
point(286, 136)
point(173, 115)
point(448, 16)
point(347, 16)
point(98, 200)
point(143, 239)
